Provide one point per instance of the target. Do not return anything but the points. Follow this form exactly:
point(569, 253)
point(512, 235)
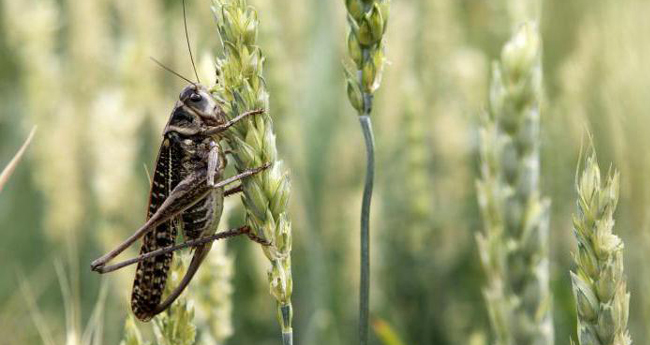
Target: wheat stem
point(364, 284)
point(367, 20)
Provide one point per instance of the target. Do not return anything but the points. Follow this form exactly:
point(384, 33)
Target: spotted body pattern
point(180, 156)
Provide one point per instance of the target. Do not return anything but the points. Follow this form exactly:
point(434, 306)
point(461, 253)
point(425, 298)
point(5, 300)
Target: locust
point(187, 195)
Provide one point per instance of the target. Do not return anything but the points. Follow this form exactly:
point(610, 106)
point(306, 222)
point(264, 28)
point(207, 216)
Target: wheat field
point(510, 201)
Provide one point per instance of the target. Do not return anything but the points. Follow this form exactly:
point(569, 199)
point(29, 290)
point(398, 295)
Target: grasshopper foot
point(263, 241)
point(96, 266)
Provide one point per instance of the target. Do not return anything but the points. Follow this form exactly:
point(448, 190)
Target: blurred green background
point(80, 70)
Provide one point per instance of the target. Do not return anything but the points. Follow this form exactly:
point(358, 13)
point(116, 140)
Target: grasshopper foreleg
point(223, 127)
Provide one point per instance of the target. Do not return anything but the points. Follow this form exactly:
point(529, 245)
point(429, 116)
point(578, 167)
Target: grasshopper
point(187, 193)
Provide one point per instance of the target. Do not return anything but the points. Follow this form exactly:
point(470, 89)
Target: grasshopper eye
point(195, 97)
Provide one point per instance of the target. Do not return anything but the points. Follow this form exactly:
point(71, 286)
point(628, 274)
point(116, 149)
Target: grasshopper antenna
point(171, 71)
point(189, 47)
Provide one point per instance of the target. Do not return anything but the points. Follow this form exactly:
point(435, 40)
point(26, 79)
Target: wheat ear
point(240, 85)
point(514, 244)
point(599, 284)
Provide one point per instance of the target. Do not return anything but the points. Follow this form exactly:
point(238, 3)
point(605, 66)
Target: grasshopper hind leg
point(202, 246)
point(199, 255)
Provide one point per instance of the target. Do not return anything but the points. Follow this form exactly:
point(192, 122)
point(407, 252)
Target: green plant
point(367, 20)
point(132, 334)
point(514, 244)
point(241, 86)
point(599, 283)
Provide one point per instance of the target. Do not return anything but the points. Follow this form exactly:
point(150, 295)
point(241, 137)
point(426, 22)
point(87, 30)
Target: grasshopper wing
point(151, 274)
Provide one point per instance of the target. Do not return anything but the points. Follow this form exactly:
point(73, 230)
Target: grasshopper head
point(195, 111)
point(199, 101)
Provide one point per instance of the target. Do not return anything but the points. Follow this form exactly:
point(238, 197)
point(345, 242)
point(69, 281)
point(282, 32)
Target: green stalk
point(367, 20)
point(364, 285)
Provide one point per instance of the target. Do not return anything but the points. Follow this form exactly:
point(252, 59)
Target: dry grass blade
point(9, 169)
